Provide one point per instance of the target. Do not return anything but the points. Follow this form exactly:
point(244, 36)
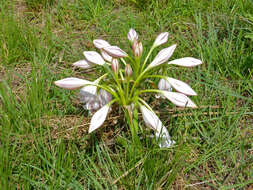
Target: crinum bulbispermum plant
point(124, 80)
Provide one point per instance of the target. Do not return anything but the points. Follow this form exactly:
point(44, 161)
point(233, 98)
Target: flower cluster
point(126, 78)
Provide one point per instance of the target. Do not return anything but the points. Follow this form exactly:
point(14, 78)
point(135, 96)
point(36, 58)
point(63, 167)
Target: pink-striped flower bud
point(161, 39)
point(115, 51)
point(128, 70)
point(72, 83)
point(132, 35)
point(106, 56)
point(99, 43)
point(115, 65)
point(94, 57)
point(163, 56)
point(137, 48)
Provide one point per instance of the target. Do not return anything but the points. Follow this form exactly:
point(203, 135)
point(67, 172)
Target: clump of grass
point(39, 4)
point(18, 41)
point(141, 4)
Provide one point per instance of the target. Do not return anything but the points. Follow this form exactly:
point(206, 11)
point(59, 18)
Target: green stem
point(123, 60)
point(138, 61)
point(121, 92)
point(157, 76)
point(137, 81)
point(127, 91)
point(149, 53)
point(150, 90)
point(133, 124)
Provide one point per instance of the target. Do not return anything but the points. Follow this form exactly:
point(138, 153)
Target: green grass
point(44, 143)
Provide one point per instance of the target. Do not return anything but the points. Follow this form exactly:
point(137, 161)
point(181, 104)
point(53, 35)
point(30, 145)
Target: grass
point(44, 143)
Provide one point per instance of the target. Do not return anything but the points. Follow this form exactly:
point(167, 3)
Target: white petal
point(89, 89)
point(88, 93)
point(132, 35)
point(104, 96)
point(92, 105)
point(71, 83)
point(88, 96)
point(85, 99)
point(164, 138)
point(161, 39)
point(115, 51)
point(163, 56)
point(151, 119)
point(98, 118)
point(181, 86)
point(186, 62)
point(106, 56)
point(99, 43)
point(83, 64)
point(179, 99)
point(94, 57)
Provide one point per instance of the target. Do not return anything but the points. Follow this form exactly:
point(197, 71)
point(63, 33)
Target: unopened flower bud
point(115, 65)
point(71, 83)
point(161, 39)
point(106, 56)
point(115, 51)
point(99, 43)
point(163, 56)
point(128, 70)
point(94, 57)
point(132, 35)
point(137, 48)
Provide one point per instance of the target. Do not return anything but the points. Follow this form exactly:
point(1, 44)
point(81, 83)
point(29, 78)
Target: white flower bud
point(115, 51)
point(163, 56)
point(106, 56)
point(132, 35)
point(137, 48)
point(99, 43)
point(161, 39)
point(83, 64)
point(71, 83)
point(94, 57)
point(181, 87)
point(186, 62)
point(179, 99)
point(115, 65)
point(128, 70)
